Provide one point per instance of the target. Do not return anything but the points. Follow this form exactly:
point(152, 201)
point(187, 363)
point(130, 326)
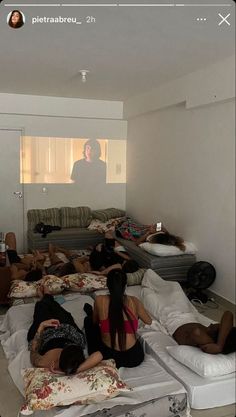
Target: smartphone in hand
point(158, 226)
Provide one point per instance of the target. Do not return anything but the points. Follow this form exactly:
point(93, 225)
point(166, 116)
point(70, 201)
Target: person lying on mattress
point(170, 306)
point(25, 263)
point(103, 258)
point(112, 325)
point(58, 267)
point(110, 255)
point(216, 338)
point(55, 341)
point(27, 268)
point(139, 233)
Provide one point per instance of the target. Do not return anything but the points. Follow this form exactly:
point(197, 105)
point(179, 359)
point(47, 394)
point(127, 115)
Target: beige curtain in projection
point(50, 159)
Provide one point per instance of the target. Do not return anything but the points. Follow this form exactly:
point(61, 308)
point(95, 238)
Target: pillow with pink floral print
point(85, 282)
point(45, 390)
point(24, 289)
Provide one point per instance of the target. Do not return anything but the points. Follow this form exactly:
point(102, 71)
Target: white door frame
point(21, 131)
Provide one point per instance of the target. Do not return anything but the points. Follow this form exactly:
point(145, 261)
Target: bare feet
point(56, 248)
point(51, 248)
point(38, 256)
point(17, 274)
point(83, 259)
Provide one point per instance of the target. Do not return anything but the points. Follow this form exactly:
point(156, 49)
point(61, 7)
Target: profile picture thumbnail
point(16, 19)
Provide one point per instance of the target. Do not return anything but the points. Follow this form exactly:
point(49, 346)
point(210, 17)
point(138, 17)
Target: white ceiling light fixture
point(84, 74)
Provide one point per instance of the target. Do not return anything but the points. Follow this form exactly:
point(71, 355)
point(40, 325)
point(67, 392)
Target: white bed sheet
point(167, 302)
point(20, 317)
point(149, 381)
point(203, 392)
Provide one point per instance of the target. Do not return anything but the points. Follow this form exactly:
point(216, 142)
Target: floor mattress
point(203, 392)
point(152, 386)
point(172, 268)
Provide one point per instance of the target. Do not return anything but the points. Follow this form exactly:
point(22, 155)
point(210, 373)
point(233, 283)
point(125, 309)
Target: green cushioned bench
point(74, 222)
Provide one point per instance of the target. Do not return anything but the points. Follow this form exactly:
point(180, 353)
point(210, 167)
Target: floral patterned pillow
point(85, 282)
point(24, 289)
point(103, 227)
point(45, 390)
point(55, 284)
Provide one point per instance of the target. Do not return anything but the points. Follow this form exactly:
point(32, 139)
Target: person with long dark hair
point(90, 170)
point(166, 238)
point(16, 20)
point(111, 327)
point(138, 233)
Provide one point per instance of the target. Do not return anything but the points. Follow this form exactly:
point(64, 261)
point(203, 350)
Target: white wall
point(181, 170)
point(59, 106)
point(208, 85)
point(59, 195)
point(59, 117)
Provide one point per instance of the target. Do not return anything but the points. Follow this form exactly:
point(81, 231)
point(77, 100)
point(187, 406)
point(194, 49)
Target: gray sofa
point(74, 222)
point(171, 268)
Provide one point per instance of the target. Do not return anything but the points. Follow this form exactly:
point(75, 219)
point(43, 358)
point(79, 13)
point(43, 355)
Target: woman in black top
point(56, 342)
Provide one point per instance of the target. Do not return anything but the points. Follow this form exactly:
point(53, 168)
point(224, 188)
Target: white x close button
point(223, 19)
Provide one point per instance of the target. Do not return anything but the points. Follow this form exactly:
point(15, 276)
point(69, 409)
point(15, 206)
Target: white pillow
point(168, 250)
point(202, 363)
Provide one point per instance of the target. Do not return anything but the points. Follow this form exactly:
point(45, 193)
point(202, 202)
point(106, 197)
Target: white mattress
point(150, 381)
point(20, 317)
point(203, 392)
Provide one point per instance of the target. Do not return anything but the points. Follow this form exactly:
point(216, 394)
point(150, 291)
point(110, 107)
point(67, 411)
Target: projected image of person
point(16, 19)
point(91, 169)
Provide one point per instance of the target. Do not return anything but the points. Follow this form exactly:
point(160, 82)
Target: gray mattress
point(168, 267)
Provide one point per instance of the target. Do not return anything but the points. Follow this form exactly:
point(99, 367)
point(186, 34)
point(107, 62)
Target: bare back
point(101, 308)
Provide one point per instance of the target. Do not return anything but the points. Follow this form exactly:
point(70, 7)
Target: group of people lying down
point(103, 258)
point(111, 326)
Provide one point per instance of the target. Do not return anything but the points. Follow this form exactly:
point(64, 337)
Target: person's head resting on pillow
point(165, 238)
point(34, 275)
point(70, 359)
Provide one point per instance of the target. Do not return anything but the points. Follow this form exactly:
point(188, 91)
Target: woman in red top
point(111, 327)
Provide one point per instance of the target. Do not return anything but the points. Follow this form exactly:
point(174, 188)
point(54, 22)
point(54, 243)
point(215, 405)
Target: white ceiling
point(128, 51)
